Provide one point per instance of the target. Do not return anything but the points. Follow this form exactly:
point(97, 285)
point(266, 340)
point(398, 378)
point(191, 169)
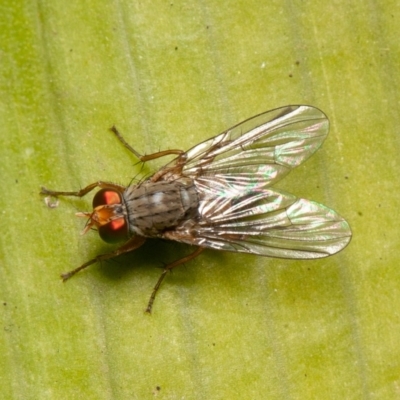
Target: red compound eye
point(114, 231)
point(106, 197)
point(114, 227)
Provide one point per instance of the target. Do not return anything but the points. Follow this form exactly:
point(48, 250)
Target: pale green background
point(170, 74)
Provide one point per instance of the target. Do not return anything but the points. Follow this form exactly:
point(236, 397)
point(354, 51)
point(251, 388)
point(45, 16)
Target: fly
point(219, 195)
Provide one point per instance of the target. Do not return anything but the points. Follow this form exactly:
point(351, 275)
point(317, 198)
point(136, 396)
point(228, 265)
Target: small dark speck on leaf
point(360, 213)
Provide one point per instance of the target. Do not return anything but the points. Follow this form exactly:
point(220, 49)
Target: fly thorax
point(154, 207)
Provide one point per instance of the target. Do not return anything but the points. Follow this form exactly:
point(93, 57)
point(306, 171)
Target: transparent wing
point(260, 150)
point(238, 211)
point(268, 223)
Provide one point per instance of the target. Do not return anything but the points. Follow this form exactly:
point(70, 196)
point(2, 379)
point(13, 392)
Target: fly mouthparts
point(89, 222)
point(83, 214)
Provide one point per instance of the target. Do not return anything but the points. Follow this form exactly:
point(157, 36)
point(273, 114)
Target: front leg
point(85, 190)
point(130, 245)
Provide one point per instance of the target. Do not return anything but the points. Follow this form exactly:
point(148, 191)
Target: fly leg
point(85, 190)
point(168, 268)
point(141, 157)
point(179, 162)
point(130, 245)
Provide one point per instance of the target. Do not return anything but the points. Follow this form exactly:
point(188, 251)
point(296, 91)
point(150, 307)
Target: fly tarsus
point(130, 245)
point(69, 274)
point(141, 157)
point(114, 130)
point(168, 268)
point(85, 190)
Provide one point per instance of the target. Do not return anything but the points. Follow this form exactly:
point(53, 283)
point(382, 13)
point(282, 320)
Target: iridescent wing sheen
point(268, 223)
point(260, 150)
point(239, 211)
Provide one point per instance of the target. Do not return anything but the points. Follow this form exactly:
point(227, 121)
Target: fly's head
point(108, 216)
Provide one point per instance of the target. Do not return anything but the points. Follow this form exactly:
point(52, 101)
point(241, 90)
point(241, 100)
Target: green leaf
point(169, 75)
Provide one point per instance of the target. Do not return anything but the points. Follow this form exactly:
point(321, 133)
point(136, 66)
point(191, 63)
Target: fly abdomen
point(154, 207)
